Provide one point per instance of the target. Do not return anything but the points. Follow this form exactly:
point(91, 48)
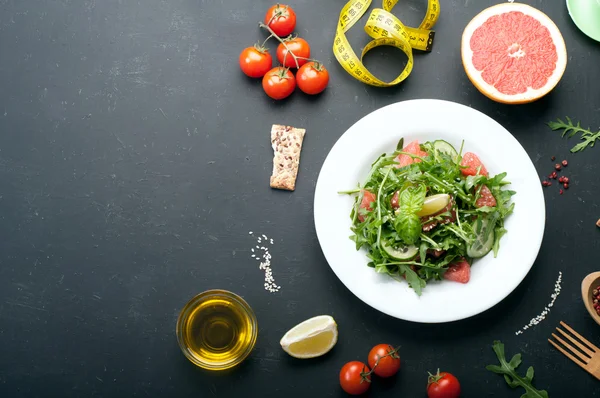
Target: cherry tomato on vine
point(255, 61)
point(299, 47)
point(282, 19)
point(387, 359)
point(443, 385)
point(312, 78)
point(354, 378)
point(279, 83)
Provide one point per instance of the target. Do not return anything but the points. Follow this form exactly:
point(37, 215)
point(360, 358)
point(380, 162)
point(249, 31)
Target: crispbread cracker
point(287, 145)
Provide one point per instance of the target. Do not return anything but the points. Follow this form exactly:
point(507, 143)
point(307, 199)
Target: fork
point(588, 355)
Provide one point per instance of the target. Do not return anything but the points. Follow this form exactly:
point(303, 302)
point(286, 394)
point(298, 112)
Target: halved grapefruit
point(513, 53)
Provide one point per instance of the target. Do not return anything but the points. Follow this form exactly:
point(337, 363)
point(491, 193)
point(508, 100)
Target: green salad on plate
point(426, 211)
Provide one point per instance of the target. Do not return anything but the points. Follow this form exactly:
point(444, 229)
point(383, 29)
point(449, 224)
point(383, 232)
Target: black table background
point(135, 158)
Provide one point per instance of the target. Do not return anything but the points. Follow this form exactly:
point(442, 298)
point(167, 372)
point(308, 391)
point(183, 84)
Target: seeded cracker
point(287, 145)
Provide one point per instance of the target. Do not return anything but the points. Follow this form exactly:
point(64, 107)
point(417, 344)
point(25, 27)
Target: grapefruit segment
point(513, 53)
point(458, 271)
point(366, 203)
point(486, 198)
point(473, 165)
point(413, 148)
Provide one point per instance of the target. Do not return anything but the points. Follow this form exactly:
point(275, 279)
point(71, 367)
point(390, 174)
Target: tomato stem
point(434, 378)
point(392, 353)
point(364, 376)
point(309, 59)
point(278, 13)
point(266, 40)
point(273, 34)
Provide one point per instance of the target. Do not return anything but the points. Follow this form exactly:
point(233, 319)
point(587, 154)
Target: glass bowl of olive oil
point(216, 330)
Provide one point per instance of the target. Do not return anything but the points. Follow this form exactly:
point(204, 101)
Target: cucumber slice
point(442, 146)
point(484, 240)
point(400, 251)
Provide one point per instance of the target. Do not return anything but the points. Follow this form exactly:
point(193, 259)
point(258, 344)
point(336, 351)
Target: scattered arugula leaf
point(588, 138)
point(508, 369)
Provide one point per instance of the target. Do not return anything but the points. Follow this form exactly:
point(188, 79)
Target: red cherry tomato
point(443, 385)
point(279, 83)
point(282, 19)
point(255, 62)
point(353, 378)
point(389, 360)
point(299, 47)
point(312, 78)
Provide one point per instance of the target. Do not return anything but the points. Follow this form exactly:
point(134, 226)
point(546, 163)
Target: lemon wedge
point(434, 204)
point(311, 338)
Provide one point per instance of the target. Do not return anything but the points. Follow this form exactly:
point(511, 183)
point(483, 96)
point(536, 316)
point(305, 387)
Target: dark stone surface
point(135, 158)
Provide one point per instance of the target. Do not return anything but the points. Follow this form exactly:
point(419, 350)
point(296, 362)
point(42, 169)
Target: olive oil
point(217, 330)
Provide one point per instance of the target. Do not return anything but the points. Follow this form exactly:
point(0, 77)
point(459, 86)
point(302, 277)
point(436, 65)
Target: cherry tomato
point(279, 83)
point(354, 379)
point(312, 78)
point(389, 360)
point(299, 47)
point(255, 62)
point(443, 385)
point(282, 19)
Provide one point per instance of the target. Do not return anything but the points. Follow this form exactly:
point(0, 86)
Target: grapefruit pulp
point(413, 148)
point(513, 53)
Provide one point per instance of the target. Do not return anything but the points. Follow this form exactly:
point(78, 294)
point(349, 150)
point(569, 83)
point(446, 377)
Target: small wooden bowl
point(587, 286)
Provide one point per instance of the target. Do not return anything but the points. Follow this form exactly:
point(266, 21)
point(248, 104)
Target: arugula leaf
point(499, 233)
point(413, 279)
point(497, 180)
point(423, 251)
point(471, 181)
point(508, 369)
point(485, 209)
point(382, 269)
point(400, 144)
point(588, 137)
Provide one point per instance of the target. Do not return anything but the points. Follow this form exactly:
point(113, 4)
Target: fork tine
point(582, 357)
point(593, 347)
point(577, 343)
point(571, 357)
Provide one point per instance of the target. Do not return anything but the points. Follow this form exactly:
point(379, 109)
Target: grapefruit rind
point(490, 91)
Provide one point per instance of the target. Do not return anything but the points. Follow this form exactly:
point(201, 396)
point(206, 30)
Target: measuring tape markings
point(386, 30)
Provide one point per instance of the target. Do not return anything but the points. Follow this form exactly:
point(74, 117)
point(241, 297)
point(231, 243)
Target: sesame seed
point(539, 318)
point(265, 264)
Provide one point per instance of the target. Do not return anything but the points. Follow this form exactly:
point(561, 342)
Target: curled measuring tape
point(386, 30)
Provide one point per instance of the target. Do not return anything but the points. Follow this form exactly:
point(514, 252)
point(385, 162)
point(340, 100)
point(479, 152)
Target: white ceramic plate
point(349, 161)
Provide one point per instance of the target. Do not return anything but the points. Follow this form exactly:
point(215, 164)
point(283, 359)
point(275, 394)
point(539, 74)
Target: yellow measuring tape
point(386, 30)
